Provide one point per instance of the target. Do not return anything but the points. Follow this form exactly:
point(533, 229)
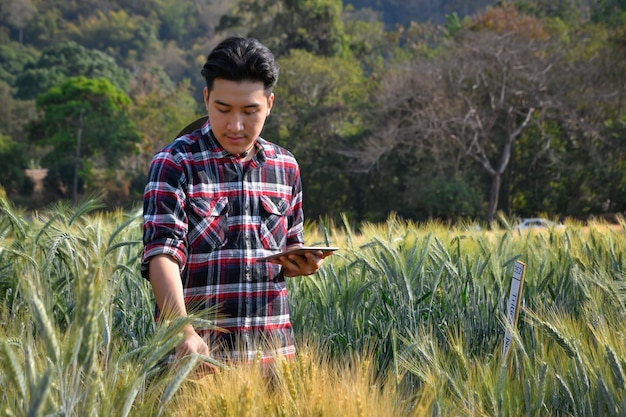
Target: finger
point(204, 350)
point(204, 369)
point(181, 351)
point(299, 259)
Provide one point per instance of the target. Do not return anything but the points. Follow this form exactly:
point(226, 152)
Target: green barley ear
point(14, 372)
point(603, 392)
point(180, 376)
point(566, 390)
point(15, 219)
point(559, 339)
point(45, 325)
point(616, 367)
point(457, 355)
point(39, 395)
point(541, 387)
point(29, 363)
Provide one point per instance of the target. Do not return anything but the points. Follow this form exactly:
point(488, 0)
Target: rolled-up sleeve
point(164, 218)
point(295, 232)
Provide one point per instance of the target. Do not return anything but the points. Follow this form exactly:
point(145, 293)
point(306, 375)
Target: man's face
point(237, 112)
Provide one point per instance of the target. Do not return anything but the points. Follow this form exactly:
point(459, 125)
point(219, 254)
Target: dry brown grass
point(308, 386)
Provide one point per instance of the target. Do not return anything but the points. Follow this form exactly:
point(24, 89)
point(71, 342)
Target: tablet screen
point(300, 251)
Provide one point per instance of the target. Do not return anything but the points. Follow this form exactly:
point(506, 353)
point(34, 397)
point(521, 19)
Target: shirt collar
point(264, 148)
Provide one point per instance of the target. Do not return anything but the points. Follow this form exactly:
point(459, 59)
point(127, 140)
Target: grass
point(406, 319)
point(313, 385)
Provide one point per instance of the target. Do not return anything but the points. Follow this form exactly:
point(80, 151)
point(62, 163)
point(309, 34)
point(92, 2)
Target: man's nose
point(235, 123)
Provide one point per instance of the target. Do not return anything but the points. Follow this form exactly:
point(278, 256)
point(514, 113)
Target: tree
point(13, 57)
point(183, 21)
point(15, 115)
point(85, 123)
point(159, 115)
point(473, 100)
point(45, 27)
point(593, 93)
point(65, 60)
point(122, 36)
point(403, 12)
point(13, 160)
point(17, 14)
point(15, 155)
point(316, 110)
point(311, 25)
point(499, 89)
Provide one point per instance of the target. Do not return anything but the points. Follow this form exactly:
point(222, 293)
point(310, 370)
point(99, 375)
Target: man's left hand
point(300, 265)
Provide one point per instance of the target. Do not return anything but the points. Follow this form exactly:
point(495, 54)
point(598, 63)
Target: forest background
point(450, 110)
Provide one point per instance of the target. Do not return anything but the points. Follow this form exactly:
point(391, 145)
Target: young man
point(218, 199)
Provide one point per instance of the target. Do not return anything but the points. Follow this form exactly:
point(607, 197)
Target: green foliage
point(535, 184)
point(453, 24)
point(611, 12)
point(311, 25)
point(12, 158)
point(91, 110)
point(417, 149)
point(15, 115)
point(314, 117)
point(124, 37)
point(184, 21)
point(13, 57)
point(405, 12)
point(17, 14)
point(444, 198)
point(159, 116)
point(65, 60)
point(45, 28)
point(369, 43)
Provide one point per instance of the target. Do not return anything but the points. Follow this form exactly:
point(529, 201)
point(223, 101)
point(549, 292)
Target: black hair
point(241, 59)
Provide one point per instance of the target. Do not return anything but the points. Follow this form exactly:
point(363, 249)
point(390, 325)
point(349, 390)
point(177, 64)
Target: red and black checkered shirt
point(216, 216)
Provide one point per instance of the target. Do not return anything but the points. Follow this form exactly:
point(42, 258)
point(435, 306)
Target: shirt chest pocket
point(274, 225)
point(207, 223)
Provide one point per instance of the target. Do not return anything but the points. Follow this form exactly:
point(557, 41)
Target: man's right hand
point(168, 293)
point(191, 344)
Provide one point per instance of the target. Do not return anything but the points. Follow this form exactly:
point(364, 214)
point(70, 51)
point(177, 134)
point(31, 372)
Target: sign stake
point(515, 296)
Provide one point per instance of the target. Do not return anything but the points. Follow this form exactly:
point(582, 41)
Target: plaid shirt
point(216, 216)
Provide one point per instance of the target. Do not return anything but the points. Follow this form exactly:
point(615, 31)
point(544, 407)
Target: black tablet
point(298, 251)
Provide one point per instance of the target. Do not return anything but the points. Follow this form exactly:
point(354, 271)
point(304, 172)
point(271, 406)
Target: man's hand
point(299, 265)
point(191, 344)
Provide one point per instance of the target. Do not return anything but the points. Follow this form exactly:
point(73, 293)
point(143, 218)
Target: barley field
point(405, 319)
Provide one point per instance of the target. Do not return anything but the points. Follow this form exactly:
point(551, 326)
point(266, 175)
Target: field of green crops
point(404, 320)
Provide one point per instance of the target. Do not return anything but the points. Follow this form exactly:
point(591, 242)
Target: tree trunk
point(494, 195)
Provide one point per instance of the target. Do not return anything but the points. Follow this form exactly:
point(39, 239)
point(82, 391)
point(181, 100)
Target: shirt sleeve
point(164, 218)
point(295, 234)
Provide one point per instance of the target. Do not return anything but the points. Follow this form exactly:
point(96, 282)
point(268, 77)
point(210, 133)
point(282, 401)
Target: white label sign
point(515, 296)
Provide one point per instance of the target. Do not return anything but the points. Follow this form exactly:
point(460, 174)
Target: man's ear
point(206, 94)
point(270, 103)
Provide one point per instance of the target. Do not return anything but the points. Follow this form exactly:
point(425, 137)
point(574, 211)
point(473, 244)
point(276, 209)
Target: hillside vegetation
point(452, 111)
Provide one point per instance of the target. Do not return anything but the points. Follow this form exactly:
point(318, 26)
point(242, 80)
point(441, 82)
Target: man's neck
point(247, 154)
